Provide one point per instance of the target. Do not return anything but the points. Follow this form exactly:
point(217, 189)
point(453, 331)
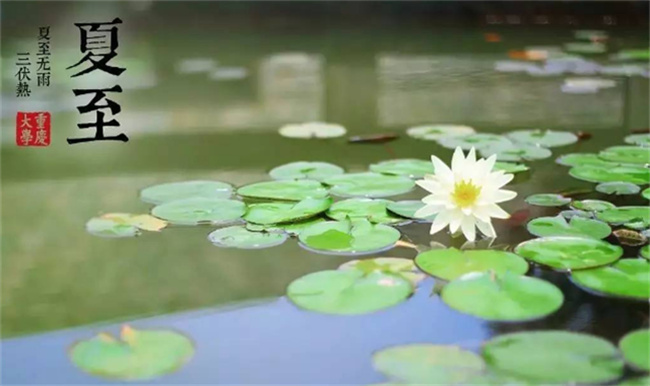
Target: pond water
point(204, 100)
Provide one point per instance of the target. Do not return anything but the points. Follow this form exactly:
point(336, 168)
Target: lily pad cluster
point(522, 358)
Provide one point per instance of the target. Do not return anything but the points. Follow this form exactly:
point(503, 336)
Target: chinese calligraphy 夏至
point(99, 42)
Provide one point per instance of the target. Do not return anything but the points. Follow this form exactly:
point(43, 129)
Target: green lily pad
point(569, 253)
point(291, 228)
point(547, 199)
point(105, 227)
point(286, 190)
point(450, 264)
point(583, 159)
point(139, 355)
point(646, 193)
point(194, 211)
point(612, 173)
point(626, 154)
point(592, 205)
point(348, 237)
point(240, 237)
point(554, 357)
point(577, 226)
point(304, 170)
point(516, 152)
point(407, 208)
point(585, 48)
point(373, 210)
point(628, 278)
point(507, 297)
point(279, 212)
point(546, 138)
point(569, 214)
point(348, 292)
point(638, 139)
point(435, 132)
point(645, 252)
point(392, 265)
point(311, 130)
point(160, 194)
point(638, 381)
point(635, 347)
point(428, 364)
point(618, 188)
point(478, 141)
point(369, 185)
point(510, 167)
point(625, 215)
point(412, 168)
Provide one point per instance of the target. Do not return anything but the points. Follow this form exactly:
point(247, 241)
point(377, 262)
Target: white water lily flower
point(465, 196)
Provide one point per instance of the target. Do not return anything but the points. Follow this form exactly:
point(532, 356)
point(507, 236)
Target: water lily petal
point(467, 226)
point(504, 195)
point(486, 228)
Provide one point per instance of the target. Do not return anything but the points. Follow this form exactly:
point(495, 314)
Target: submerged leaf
point(348, 292)
point(139, 355)
point(630, 238)
point(428, 364)
point(104, 227)
point(554, 357)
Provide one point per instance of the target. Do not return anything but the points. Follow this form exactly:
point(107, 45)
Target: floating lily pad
point(554, 357)
point(638, 381)
point(305, 170)
point(583, 159)
point(450, 264)
point(630, 237)
point(577, 226)
point(312, 130)
point(645, 252)
point(592, 205)
point(412, 168)
point(625, 215)
point(373, 210)
point(546, 138)
point(428, 364)
point(369, 185)
point(105, 227)
point(626, 154)
point(141, 221)
point(510, 167)
point(628, 278)
point(612, 173)
point(646, 193)
point(588, 34)
point(393, 265)
point(478, 141)
point(547, 199)
point(407, 208)
point(240, 237)
point(435, 132)
point(618, 188)
point(516, 152)
point(585, 48)
point(139, 355)
point(279, 212)
point(569, 253)
point(291, 228)
point(160, 194)
point(635, 347)
point(638, 139)
point(194, 211)
point(285, 190)
point(348, 237)
point(348, 292)
point(506, 297)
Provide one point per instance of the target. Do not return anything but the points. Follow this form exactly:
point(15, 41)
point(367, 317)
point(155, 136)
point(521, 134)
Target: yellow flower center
point(465, 193)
